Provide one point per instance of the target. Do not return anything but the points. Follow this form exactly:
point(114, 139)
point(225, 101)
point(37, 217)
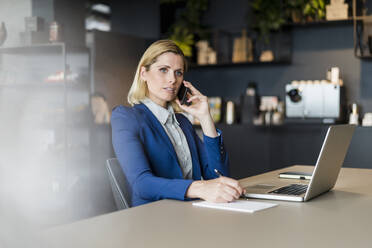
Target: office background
point(134, 24)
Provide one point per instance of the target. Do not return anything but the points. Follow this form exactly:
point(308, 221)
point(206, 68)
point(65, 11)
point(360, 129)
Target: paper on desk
point(240, 206)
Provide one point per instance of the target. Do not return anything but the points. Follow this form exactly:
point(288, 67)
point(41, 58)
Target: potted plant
point(187, 28)
point(184, 39)
point(314, 10)
point(267, 19)
point(267, 16)
point(295, 10)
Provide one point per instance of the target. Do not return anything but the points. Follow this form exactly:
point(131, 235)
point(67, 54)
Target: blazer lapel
point(196, 173)
point(154, 123)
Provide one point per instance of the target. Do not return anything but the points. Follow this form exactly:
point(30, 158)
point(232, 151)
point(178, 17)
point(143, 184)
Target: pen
point(218, 173)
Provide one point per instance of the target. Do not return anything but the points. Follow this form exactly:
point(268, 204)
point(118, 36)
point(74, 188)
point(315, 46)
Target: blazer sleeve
point(133, 160)
point(213, 155)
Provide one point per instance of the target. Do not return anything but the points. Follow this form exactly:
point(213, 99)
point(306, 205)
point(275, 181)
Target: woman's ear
point(143, 73)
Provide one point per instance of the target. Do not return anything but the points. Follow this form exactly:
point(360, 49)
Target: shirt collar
point(161, 113)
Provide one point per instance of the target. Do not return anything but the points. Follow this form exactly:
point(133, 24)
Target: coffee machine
point(321, 101)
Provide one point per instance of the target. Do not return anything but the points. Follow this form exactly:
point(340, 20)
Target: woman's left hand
point(200, 105)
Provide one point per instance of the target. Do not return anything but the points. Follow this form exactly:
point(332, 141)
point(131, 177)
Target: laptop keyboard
point(293, 189)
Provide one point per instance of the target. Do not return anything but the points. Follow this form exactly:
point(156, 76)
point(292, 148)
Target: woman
point(159, 151)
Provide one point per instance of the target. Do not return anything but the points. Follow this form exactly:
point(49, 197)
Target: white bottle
point(230, 115)
point(335, 75)
point(354, 116)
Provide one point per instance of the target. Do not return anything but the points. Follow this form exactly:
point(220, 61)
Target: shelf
point(286, 124)
point(367, 57)
point(257, 63)
point(363, 18)
point(321, 23)
point(47, 86)
point(43, 48)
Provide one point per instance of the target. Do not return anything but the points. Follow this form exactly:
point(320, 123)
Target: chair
point(119, 184)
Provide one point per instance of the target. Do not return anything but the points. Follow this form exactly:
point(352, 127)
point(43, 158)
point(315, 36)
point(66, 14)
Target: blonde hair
point(139, 90)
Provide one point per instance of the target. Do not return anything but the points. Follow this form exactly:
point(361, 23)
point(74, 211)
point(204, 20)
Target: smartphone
point(296, 175)
point(182, 95)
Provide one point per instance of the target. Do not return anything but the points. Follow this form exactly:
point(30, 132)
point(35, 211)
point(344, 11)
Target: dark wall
point(315, 49)
point(139, 18)
point(227, 14)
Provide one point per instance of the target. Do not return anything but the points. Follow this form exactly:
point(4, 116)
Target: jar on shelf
point(54, 32)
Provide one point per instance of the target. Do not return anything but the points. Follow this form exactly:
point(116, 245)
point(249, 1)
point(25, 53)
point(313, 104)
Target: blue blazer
point(149, 160)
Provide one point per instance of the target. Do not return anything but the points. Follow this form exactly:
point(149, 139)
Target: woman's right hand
point(222, 189)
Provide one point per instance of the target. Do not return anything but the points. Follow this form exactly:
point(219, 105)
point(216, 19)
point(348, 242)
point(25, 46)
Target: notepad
point(240, 205)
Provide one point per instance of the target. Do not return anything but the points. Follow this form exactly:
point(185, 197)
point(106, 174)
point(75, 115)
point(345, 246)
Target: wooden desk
point(340, 218)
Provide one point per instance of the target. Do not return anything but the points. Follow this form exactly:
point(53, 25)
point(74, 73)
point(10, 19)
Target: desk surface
point(339, 218)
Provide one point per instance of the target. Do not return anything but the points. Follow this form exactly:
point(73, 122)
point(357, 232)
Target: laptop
point(327, 168)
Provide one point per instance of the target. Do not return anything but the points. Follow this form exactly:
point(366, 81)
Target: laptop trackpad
point(260, 188)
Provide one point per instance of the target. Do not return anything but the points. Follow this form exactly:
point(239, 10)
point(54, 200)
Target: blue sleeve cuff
point(187, 185)
point(216, 140)
point(216, 155)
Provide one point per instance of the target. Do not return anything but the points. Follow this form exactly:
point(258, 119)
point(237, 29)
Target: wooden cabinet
point(253, 150)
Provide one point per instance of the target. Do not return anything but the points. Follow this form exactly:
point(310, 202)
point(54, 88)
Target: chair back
point(119, 184)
